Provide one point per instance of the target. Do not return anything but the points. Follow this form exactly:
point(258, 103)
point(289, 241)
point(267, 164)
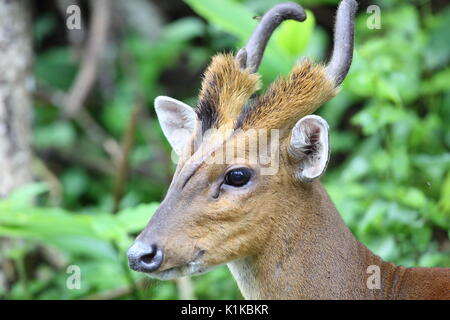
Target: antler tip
point(258, 41)
point(341, 58)
point(290, 10)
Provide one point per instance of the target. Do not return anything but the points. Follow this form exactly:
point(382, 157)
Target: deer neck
point(311, 254)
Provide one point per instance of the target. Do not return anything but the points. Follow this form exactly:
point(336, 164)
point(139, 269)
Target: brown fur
point(289, 99)
point(225, 90)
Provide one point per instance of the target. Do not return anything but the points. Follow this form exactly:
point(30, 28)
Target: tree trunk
point(15, 105)
point(15, 98)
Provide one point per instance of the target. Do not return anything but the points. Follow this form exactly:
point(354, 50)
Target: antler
point(250, 56)
point(226, 89)
point(341, 58)
point(308, 86)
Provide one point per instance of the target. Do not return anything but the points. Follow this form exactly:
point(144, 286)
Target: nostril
point(148, 258)
point(152, 259)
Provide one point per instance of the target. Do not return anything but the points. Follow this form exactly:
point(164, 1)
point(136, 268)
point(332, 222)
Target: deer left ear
point(309, 147)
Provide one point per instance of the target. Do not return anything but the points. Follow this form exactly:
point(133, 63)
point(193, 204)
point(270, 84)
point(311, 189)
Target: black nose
point(145, 258)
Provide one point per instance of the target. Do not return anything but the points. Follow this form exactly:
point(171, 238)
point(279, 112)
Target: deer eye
point(238, 177)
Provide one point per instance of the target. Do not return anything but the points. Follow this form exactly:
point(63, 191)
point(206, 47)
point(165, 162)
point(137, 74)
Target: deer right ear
point(309, 147)
point(177, 121)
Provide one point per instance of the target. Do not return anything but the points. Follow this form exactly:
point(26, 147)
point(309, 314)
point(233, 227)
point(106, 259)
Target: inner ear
point(309, 147)
point(178, 121)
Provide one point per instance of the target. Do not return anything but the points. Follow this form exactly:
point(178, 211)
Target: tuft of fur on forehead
point(225, 90)
point(289, 98)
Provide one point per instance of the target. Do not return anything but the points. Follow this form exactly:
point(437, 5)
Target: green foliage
point(95, 242)
point(389, 173)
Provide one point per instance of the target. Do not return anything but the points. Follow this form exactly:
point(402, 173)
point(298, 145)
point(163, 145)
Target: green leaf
point(440, 82)
point(184, 29)
point(58, 134)
point(385, 247)
point(228, 15)
point(437, 51)
point(135, 219)
point(56, 67)
point(356, 168)
point(24, 196)
point(44, 26)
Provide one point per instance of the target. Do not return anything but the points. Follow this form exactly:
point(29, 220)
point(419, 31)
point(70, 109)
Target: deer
point(280, 234)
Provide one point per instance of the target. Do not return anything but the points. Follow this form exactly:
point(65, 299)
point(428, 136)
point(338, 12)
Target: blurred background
point(84, 164)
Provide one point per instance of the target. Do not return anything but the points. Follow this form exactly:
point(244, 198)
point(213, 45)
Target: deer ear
point(177, 120)
point(309, 147)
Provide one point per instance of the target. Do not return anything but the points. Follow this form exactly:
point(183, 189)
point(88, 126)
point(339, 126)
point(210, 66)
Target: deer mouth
point(189, 269)
point(192, 268)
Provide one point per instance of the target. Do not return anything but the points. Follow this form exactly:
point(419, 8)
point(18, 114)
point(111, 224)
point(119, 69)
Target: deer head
point(221, 208)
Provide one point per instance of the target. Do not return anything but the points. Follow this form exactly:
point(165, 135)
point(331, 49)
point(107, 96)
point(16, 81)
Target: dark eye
point(238, 177)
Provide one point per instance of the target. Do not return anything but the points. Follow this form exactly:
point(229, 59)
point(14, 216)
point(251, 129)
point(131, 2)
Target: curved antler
point(341, 58)
point(250, 56)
